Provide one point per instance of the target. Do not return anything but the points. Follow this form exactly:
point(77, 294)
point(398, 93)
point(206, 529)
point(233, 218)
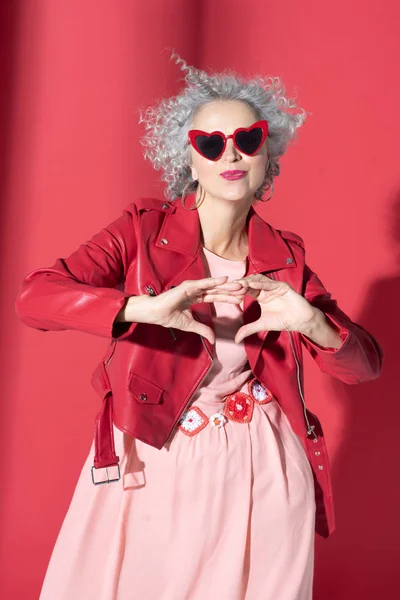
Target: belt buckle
point(108, 480)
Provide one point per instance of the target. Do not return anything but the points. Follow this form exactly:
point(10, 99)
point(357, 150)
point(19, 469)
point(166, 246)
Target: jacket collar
point(268, 251)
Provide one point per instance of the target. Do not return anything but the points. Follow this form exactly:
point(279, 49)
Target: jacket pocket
point(144, 391)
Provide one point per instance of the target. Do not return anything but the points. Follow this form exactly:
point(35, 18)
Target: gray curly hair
point(166, 142)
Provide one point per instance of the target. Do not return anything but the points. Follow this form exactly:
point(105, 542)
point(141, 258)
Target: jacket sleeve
point(360, 357)
point(84, 291)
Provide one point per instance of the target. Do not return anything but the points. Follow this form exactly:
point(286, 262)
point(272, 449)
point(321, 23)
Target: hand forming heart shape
point(281, 307)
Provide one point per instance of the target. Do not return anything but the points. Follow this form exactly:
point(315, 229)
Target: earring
point(185, 194)
point(272, 193)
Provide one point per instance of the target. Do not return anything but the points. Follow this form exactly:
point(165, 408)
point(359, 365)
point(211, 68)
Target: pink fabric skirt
point(227, 514)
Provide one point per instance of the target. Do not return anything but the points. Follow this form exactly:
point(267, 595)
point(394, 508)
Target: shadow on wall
point(361, 558)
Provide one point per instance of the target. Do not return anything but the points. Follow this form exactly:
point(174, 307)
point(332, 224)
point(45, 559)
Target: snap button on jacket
point(149, 373)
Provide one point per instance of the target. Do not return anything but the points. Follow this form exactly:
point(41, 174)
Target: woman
point(218, 474)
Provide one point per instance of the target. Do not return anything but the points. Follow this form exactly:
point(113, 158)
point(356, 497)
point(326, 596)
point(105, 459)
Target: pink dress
point(226, 514)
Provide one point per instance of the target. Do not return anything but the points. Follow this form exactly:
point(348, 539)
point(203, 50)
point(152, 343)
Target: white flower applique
point(218, 420)
point(259, 393)
point(193, 421)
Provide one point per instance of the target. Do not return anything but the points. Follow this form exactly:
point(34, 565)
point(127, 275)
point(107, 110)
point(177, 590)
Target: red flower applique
point(239, 407)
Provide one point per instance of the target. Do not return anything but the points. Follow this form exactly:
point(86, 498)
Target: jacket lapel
point(268, 252)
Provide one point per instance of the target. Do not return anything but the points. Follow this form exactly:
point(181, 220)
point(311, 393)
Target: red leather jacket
point(150, 373)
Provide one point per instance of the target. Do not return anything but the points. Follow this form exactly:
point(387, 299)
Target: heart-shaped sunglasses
point(212, 145)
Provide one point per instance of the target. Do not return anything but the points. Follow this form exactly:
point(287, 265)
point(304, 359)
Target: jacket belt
point(104, 448)
point(104, 454)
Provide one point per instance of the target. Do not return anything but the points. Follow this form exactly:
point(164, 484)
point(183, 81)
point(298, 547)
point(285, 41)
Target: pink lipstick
point(233, 175)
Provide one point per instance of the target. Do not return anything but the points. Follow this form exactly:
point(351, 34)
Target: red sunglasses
point(212, 145)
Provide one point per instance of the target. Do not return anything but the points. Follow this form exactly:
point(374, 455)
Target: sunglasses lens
point(210, 146)
point(249, 141)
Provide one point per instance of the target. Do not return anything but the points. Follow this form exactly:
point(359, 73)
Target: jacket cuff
point(121, 329)
point(344, 333)
point(103, 308)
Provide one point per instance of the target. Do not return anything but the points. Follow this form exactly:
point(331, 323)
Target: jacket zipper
point(112, 354)
point(191, 396)
point(310, 428)
point(151, 291)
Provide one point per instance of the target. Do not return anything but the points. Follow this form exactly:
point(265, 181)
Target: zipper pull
point(150, 290)
point(310, 431)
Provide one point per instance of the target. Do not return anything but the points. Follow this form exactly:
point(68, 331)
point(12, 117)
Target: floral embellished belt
point(238, 407)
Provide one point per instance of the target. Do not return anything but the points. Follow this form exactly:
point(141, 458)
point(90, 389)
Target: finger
point(216, 291)
point(207, 297)
point(201, 329)
point(253, 293)
point(241, 292)
point(247, 330)
point(222, 298)
point(254, 277)
point(204, 284)
point(267, 284)
point(229, 286)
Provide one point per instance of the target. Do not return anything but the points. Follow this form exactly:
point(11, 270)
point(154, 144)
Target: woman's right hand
point(172, 308)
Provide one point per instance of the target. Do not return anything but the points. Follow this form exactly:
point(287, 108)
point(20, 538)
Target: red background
point(73, 75)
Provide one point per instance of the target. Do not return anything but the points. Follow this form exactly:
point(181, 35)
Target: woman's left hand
point(281, 307)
